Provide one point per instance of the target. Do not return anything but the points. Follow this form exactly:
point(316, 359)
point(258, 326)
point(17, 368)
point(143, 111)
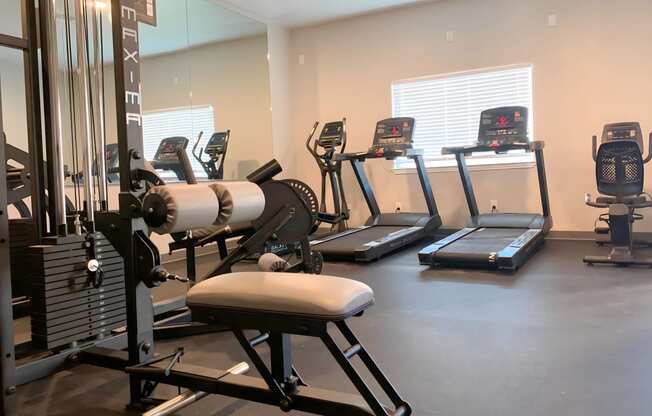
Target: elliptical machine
point(216, 151)
point(619, 174)
point(332, 140)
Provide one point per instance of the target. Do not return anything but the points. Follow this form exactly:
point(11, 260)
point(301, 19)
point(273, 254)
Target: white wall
point(593, 68)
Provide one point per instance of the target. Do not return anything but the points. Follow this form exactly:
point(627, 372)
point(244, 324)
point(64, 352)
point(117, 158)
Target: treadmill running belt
point(349, 243)
point(484, 240)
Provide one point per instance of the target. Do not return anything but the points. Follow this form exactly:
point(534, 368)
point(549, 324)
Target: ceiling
point(294, 13)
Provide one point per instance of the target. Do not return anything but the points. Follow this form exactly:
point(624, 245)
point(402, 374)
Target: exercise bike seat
point(296, 295)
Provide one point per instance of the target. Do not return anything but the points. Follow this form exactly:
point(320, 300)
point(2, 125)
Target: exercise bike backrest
point(619, 160)
point(331, 138)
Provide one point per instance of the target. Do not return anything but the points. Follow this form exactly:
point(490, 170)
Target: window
point(447, 110)
point(182, 121)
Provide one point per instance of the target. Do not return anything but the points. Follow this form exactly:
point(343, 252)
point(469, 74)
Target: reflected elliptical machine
point(501, 241)
point(331, 141)
point(216, 151)
point(383, 233)
point(620, 175)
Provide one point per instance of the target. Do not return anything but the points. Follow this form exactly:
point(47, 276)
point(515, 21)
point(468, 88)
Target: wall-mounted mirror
point(204, 74)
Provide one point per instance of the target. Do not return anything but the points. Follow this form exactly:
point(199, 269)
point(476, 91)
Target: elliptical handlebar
point(312, 134)
point(201, 150)
point(343, 135)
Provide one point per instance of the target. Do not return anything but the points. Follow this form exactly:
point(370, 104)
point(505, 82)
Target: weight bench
point(278, 305)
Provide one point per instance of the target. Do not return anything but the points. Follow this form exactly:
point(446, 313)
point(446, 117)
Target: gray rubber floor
point(557, 338)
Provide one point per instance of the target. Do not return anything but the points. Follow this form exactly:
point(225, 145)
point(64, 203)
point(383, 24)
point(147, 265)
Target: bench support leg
point(344, 360)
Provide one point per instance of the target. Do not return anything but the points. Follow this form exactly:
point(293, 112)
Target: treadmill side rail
point(516, 254)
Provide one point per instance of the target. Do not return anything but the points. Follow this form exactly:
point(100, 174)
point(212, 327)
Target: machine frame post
point(365, 186)
point(7, 359)
point(140, 319)
point(425, 185)
point(543, 182)
point(465, 176)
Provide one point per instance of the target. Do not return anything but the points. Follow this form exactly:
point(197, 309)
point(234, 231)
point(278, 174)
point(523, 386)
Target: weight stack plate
point(65, 307)
point(21, 236)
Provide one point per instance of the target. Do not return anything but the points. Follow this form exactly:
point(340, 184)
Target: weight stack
point(21, 236)
point(66, 308)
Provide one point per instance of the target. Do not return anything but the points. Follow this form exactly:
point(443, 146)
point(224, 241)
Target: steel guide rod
point(98, 109)
point(56, 121)
point(85, 109)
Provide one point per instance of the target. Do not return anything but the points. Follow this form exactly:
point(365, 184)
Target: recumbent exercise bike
point(620, 175)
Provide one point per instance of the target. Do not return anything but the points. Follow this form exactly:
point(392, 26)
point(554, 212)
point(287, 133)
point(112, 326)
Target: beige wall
point(593, 68)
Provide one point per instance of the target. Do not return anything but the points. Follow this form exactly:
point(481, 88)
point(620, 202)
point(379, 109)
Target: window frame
point(479, 161)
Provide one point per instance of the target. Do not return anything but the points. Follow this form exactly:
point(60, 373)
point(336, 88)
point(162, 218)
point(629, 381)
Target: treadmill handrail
point(528, 147)
point(373, 155)
point(535, 146)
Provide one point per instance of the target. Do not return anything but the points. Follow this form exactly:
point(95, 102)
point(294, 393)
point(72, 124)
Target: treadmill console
point(623, 131)
point(166, 155)
point(503, 126)
point(331, 135)
point(167, 149)
point(216, 144)
point(393, 136)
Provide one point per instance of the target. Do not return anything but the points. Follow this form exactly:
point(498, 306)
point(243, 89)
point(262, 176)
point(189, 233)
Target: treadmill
point(383, 232)
point(498, 241)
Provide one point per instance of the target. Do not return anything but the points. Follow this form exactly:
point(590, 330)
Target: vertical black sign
point(130, 147)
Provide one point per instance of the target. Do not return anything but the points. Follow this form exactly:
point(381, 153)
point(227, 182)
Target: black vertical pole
point(543, 182)
point(34, 132)
point(365, 186)
point(47, 113)
point(7, 359)
point(425, 185)
point(281, 356)
point(467, 184)
point(140, 317)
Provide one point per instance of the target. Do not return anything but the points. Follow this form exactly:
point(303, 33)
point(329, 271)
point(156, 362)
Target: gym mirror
point(205, 73)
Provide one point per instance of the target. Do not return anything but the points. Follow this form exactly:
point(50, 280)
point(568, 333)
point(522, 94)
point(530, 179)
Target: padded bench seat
point(299, 295)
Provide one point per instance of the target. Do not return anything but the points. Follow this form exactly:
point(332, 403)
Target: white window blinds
point(447, 108)
point(183, 121)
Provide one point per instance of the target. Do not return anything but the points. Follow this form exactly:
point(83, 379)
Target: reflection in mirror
point(11, 18)
point(12, 85)
point(217, 81)
point(204, 73)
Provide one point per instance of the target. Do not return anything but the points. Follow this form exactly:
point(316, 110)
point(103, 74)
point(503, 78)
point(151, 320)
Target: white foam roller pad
point(240, 201)
point(188, 207)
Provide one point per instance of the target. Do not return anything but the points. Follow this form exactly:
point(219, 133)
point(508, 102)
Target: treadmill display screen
point(393, 135)
point(167, 149)
point(503, 126)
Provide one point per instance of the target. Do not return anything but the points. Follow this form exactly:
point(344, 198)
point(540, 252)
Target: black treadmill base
point(507, 264)
point(348, 248)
